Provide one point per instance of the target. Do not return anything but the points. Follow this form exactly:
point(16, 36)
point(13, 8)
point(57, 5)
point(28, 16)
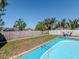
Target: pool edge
point(28, 51)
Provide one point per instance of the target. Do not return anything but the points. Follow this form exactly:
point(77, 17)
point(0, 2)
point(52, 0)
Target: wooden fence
point(10, 35)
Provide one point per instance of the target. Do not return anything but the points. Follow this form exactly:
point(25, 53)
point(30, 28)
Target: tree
point(40, 26)
point(49, 23)
point(58, 25)
point(19, 24)
point(63, 23)
point(1, 22)
point(53, 23)
point(73, 24)
point(3, 4)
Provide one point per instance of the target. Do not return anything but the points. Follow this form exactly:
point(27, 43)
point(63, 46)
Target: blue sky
point(32, 11)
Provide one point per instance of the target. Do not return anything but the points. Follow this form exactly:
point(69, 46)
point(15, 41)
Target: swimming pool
point(61, 48)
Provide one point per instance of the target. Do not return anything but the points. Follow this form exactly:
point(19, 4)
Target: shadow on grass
point(3, 40)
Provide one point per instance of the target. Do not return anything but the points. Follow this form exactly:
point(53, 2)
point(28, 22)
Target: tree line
point(46, 24)
point(53, 23)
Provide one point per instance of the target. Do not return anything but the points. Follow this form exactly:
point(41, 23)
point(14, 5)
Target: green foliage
point(49, 22)
point(3, 4)
point(1, 22)
point(63, 23)
point(73, 24)
point(40, 26)
point(52, 23)
point(46, 24)
point(19, 24)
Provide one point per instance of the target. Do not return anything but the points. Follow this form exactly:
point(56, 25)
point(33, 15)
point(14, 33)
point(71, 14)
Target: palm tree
point(3, 4)
point(1, 22)
point(63, 23)
point(53, 23)
point(58, 25)
point(73, 24)
point(49, 23)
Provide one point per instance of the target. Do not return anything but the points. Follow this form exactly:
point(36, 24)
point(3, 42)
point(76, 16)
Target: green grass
point(18, 46)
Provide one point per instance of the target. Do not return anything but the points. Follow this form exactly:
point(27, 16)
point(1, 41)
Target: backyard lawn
point(18, 46)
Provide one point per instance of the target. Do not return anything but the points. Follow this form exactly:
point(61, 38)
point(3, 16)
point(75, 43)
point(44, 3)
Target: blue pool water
point(61, 48)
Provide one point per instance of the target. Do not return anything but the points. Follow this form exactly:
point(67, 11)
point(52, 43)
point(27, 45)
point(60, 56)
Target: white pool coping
point(55, 46)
